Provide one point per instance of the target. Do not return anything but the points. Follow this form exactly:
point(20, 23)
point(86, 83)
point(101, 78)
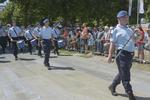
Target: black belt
point(125, 51)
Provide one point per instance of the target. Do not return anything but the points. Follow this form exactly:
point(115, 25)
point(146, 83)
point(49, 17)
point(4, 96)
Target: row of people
point(44, 37)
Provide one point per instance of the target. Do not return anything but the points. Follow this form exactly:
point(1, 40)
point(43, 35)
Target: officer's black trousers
point(124, 63)
point(29, 46)
point(15, 48)
point(56, 47)
point(47, 45)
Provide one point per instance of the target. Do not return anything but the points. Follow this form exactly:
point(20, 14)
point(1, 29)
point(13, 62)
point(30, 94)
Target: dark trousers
point(14, 46)
point(29, 46)
point(56, 47)
point(124, 63)
point(3, 43)
point(39, 48)
point(47, 45)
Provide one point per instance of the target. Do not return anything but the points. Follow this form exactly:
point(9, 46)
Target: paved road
point(72, 78)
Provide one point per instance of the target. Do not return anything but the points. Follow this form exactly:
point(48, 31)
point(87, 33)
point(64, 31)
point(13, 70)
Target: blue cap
point(45, 20)
point(122, 13)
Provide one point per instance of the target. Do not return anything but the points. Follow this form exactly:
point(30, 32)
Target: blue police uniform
point(3, 38)
point(14, 33)
point(56, 35)
point(122, 38)
point(29, 37)
point(124, 61)
point(46, 35)
point(36, 33)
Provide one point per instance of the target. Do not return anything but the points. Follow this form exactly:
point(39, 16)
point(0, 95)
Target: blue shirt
point(120, 36)
point(14, 31)
point(46, 33)
point(28, 34)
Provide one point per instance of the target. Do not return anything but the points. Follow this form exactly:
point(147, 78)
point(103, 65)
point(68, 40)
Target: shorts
point(140, 47)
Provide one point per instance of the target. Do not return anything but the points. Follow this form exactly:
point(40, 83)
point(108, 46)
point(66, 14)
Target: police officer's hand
point(12, 40)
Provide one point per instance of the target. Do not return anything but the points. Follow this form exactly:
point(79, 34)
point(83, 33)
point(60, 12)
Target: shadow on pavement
point(62, 68)
point(5, 61)
point(65, 55)
point(137, 97)
point(26, 59)
point(53, 57)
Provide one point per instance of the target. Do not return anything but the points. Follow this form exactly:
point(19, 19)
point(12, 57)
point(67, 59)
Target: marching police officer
point(46, 35)
point(56, 36)
point(36, 34)
point(14, 33)
point(122, 33)
point(29, 37)
point(3, 38)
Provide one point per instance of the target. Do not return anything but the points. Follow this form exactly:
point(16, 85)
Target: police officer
point(46, 36)
point(56, 36)
point(122, 33)
point(36, 34)
point(29, 37)
point(3, 38)
point(14, 33)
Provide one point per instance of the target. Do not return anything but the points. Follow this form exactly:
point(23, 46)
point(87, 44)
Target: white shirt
point(56, 33)
point(46, 32)
point(36, 31)
point(120, 36)
point(28, 34)
point(14, 31)
point(2, 32)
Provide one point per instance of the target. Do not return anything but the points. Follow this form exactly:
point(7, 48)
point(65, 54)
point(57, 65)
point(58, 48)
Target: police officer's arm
point(111, 50)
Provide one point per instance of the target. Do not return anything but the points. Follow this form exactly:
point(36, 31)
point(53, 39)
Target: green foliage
point(94, 12)
point(1, 1)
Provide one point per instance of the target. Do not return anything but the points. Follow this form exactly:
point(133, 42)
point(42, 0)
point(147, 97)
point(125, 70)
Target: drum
point(33, 42)
point(21, 44)
point(61, 43)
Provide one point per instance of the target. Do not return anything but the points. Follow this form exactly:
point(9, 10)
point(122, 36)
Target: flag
point(130, 8)
point(141, 7)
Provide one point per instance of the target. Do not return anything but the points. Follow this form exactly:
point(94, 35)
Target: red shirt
point(141, 41)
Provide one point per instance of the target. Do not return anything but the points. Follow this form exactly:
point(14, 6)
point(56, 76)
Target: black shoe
point(131, 96)
point(112, 90)
point(16, 57)
point(47, 65)
point(49, 68)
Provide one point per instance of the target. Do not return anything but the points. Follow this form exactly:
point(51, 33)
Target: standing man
point(14, 33)
point(46, 36)
point(122, 33)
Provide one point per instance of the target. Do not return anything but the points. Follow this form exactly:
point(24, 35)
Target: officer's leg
point(56, 47)
point(29, 47)
point(125, 66)
point(39, 48)
point(15, 50)
point(116, 80)
point(46, 47)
